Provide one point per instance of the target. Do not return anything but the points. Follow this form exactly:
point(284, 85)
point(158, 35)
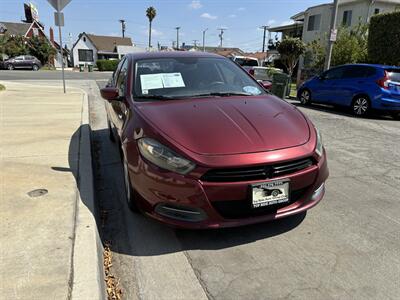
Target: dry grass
point(114, 291)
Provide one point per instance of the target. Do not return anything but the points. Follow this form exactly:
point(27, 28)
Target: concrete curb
point(87, 270)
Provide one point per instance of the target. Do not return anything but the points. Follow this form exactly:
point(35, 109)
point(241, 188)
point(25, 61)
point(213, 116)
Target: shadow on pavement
point(342, 111)
point(134, 234)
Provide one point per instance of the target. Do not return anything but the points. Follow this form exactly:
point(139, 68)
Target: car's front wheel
point(396, 115)
point(35, 67)
point(130, 192)
point(361, 106)
point(10, 67)
point(305, 97)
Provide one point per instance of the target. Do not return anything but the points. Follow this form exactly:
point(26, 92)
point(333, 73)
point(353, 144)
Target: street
point(347, 247)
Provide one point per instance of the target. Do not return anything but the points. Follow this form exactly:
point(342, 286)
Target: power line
point(177, 37)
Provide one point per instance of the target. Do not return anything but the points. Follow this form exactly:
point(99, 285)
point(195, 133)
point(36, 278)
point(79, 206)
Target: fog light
point(181, 213)
point(317, 193)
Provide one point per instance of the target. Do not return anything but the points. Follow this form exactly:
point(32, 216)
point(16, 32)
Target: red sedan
point(205, 146)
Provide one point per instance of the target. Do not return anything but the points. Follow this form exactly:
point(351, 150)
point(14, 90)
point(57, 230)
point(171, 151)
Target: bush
point(107, 65)
point(2, 87)
point(384, 39)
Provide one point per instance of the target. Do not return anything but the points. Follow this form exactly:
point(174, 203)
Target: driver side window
point(336, 73)
point(121, 80)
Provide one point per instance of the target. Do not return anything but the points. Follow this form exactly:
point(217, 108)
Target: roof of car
point(372, 65)
point(170, 54)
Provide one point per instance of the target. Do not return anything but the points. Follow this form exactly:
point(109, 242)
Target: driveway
point(347, 247)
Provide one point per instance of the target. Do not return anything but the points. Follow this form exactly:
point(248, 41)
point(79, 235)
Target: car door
point(353, 81)
point(19, 62)
point(117, 108)
point(324, 90)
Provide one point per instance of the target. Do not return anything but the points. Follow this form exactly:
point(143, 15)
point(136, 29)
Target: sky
point(242, 19)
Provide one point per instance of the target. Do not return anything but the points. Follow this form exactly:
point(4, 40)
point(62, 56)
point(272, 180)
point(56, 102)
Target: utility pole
point(177, 37)
point(195, 43)
point(204, 39)
point(221, 36)
point(332, 36)
point(122, 27)
point(265, 32)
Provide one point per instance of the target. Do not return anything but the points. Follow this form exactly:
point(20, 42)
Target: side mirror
point(110, 93)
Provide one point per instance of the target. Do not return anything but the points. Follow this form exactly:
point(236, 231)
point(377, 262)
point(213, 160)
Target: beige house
point(314, 23)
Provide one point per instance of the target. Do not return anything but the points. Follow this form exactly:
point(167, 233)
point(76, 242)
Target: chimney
point(51, 36)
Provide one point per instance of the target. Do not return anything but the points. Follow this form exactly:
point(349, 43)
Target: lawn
point(293, 90)
point(2, 87)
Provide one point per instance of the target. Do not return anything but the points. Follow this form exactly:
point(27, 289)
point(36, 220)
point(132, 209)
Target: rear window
point(394, 75)
point(246, 62)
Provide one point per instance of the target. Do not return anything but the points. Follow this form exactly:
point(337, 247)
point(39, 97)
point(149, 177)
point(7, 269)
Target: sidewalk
point(49, 242)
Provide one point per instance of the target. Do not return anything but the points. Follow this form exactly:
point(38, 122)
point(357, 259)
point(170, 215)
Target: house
point(315, 22)
point(89, 48)
point(27, 30)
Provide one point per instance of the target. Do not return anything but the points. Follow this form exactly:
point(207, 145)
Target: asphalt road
point(347, 247)
point(52, 75)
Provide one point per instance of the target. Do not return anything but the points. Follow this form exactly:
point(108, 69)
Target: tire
point(130, 192)
point(305, 97)
point(35, 68)
point(396, 115)
point(361, 106)
point(110, 132)
point(10, 67)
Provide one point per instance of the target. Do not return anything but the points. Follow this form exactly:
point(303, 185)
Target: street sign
point(59, 19)
point(59, 4)
point(333, 35)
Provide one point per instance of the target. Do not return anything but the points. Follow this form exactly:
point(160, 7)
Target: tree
point(151, 14)
point(314, 57)
point(41, 48)
point(290, 50)
point(351, 45)
point(13, 45)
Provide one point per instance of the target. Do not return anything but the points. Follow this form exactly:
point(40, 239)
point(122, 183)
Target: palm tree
point(151, 14)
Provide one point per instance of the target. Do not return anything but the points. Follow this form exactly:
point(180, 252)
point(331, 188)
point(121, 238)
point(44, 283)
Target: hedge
point(384, 39)
point(107, 65)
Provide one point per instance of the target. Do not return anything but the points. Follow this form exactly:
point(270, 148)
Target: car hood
point(222, 126)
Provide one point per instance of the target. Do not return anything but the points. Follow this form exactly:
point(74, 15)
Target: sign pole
point(61, 50)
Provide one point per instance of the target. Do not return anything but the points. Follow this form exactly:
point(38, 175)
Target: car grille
point(239, 209)
point(256, 173)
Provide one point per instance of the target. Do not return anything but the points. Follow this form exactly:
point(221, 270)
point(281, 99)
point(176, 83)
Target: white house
point(314, 23)
point(89, 48)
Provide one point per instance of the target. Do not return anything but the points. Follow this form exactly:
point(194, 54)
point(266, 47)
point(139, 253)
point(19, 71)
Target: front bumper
point(220, 204)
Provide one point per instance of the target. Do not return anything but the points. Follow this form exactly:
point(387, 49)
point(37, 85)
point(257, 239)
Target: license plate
point(270, 193)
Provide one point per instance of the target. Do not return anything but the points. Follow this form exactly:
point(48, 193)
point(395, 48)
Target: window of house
point(35, 32)
point(85, 55)
point(84, 39)
point(376, 11)
point(347, 14)
point(313, 22)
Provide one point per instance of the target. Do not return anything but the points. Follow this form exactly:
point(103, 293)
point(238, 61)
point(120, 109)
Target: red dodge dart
point(206, 146)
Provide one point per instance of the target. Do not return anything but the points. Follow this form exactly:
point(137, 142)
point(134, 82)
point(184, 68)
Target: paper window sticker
point(173, 80)
point(151, 81)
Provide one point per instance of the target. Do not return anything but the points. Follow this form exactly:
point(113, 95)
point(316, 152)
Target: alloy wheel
point(35, 68)
point(360, 106)
point(10, 67)
point(305, 97)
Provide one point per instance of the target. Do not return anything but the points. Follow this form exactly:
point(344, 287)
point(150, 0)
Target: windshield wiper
point(156, 97)
point(222, 94)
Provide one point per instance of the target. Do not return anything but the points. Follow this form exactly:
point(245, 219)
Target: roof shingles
point(108, 43)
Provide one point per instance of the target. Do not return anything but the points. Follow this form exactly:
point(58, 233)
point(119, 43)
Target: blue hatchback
point(362, 87)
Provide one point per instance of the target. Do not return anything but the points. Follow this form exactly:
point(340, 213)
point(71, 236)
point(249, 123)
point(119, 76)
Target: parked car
point(363, 87)
point(23, 62)
point(263, 75)
point(245, 61)
point(200, 137)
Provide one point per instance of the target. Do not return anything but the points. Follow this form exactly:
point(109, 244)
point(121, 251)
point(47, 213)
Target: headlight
point(319, 148)
point(164, 157)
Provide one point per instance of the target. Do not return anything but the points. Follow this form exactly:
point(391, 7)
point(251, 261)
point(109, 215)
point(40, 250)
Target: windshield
point(246, 62)
point(187, 77)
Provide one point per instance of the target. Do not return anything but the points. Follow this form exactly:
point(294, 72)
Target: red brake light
point(383, 82)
